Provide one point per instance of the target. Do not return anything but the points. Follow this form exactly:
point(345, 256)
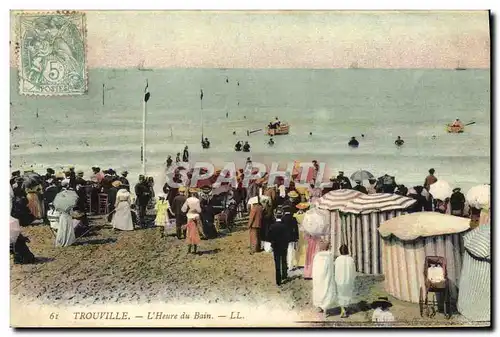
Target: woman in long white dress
point(345, 275)
point(122, 219)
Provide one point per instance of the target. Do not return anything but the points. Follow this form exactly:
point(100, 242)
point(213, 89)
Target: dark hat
point(124, 172)
point(341, 172)
point(456, 189)
point(382, 302)
point(16, 173)
point(50, 170)
point(372, 180)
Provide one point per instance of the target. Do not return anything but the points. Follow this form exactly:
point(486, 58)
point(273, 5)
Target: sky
point(162, 39)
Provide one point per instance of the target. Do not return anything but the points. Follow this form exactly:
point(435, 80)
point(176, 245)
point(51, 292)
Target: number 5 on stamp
point(52, 57)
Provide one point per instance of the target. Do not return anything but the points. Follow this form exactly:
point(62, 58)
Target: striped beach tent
point(408, 239)
point(474, 298)
point(333, 201)
point(360, 219)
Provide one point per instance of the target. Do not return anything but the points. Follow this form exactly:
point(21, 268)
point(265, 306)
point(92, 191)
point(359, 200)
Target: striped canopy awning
point(378, 202)
point(337, 199)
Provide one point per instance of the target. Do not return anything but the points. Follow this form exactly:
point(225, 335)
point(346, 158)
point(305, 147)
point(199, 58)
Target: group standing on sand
point(275, 219)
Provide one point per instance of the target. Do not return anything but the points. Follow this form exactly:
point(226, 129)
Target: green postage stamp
point(52, 55)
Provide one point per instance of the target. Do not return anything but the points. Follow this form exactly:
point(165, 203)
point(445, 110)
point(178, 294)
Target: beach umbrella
point(15, 230)
point(441, 190)
point(361, 175)
point(65, 201)
point(479, 196)
point(316, 222)
point(378, 202)
point(333, 201)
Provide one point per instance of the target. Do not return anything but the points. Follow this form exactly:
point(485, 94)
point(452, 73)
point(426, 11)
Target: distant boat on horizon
point(460, 67)
point(141, 67)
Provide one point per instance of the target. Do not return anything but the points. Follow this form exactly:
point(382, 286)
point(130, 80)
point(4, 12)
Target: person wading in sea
point(185, 155)
point(430, 179)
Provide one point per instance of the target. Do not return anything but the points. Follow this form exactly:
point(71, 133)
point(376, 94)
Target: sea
point(324, 107)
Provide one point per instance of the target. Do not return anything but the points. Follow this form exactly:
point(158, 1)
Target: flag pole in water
point(201, 108)
point(144, 111)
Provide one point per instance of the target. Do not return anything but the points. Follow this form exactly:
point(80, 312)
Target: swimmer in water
point(310, 133)
point(234, 133)
point(362, 136)
point(433, 137)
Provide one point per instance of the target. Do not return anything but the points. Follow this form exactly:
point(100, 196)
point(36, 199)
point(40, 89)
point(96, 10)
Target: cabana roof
point(423, 224)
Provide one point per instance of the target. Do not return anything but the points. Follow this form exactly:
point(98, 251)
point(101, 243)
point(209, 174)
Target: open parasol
point(65, 201)
point(479, 196)
point(361, 175)
point(316, 222)
point(441, 190)
point(15, 230)
point(31, 179)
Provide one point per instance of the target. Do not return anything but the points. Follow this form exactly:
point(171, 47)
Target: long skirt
point(35, 205)
point(192, 235)
point(312, 249)
point(324, 287)
point(254, 239)
point(122, 218)
point(290, 255)
point(65, 231)
point(300, 254)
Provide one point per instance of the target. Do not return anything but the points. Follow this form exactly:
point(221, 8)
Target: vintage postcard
point(250, 169)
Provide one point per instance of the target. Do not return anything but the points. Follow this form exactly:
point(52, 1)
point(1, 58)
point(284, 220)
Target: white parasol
point(316, 222)
point(15, 230)
point(479, 196)
point(441, 190)
point(65, 201)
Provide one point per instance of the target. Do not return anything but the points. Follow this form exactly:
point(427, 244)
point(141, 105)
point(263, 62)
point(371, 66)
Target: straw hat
point(193, 190)
point(60, 175)
point(293, 194)
point(303, 205)
point(116, 183)
point(182, 189)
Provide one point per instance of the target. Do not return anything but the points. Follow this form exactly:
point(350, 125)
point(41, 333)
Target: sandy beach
point(136, 268)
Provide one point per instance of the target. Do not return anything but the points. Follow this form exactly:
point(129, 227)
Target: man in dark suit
point(359, 187)
point(345, 183)
point(283, 231)
point(143, 195)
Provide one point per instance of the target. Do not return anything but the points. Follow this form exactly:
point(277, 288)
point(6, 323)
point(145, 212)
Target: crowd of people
point(275, 211)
